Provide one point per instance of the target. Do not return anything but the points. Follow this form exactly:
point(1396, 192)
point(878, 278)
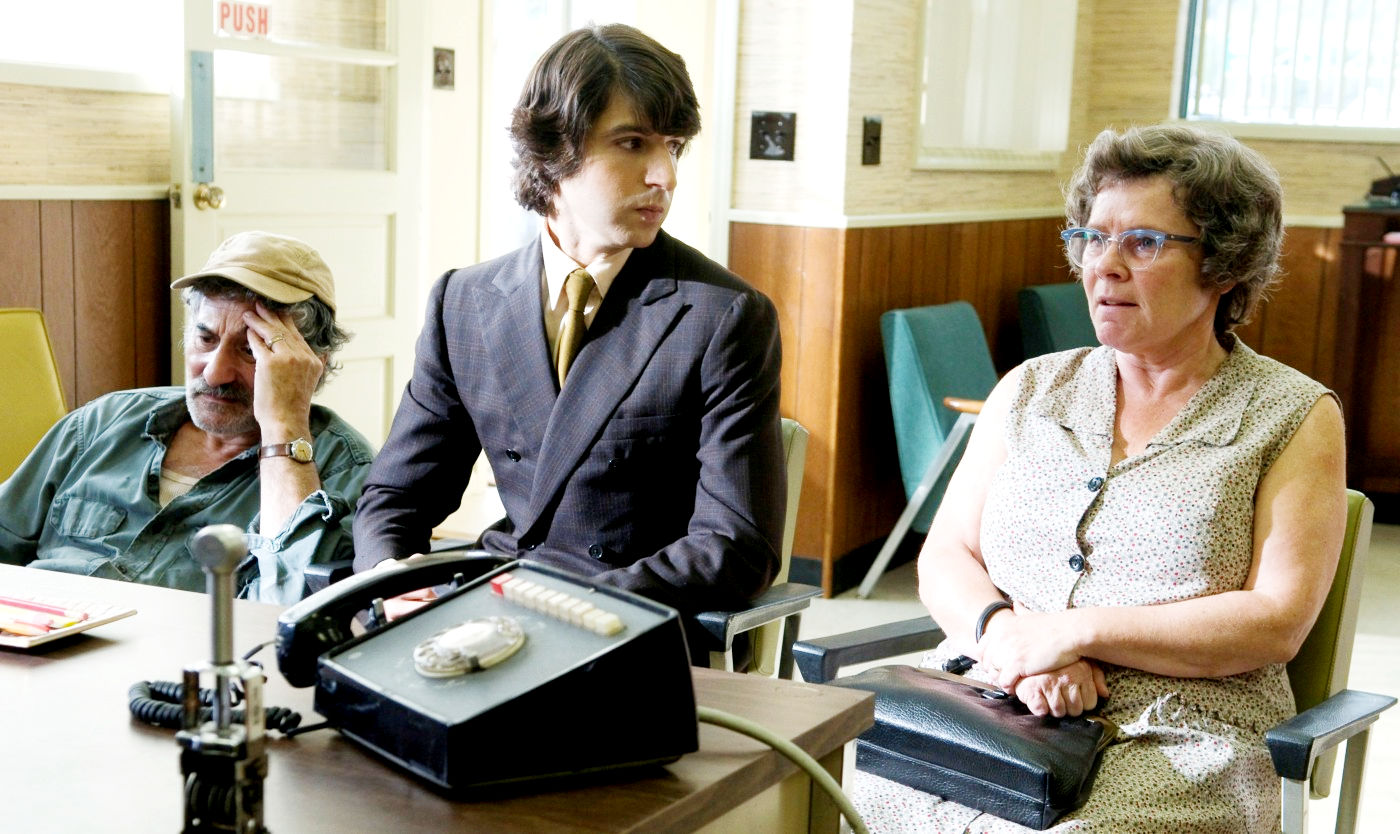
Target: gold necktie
point(576, 288)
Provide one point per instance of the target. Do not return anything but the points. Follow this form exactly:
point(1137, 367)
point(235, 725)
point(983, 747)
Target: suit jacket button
point(595, 550)
point(513, 455)
point(1076, 563)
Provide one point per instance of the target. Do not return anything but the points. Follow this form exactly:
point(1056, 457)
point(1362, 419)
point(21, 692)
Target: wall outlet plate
point(772, 135)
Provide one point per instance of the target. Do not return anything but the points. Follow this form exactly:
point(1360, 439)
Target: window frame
point(1184, 54)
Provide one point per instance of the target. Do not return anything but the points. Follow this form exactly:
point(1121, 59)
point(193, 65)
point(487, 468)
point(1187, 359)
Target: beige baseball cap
point(276, 267)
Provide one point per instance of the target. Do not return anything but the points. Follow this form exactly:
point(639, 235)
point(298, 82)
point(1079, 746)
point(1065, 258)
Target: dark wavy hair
point(569, 88)
point(1228, 190)
point(313, 319)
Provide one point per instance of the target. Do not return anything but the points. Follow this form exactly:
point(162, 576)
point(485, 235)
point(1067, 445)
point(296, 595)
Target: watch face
point(301, 450)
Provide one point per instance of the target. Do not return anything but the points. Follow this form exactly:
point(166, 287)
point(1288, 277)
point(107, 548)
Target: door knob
point(208, 196)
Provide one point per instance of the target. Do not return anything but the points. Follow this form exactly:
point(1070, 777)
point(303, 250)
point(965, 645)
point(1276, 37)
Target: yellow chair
point(1303, 747)
point(29, 385)
point(775, 615)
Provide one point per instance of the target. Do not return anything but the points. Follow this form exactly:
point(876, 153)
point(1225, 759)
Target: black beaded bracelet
point(987, 615)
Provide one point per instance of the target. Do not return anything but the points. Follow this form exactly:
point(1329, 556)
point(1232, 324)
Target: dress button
point(595, 550)
point(1094, 484)
point(512, 454)
point(1076, 563)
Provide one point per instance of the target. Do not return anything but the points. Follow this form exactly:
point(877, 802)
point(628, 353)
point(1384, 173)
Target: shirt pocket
point(83, 518)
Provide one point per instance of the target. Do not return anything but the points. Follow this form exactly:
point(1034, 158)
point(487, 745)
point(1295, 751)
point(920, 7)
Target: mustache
point(231, 391)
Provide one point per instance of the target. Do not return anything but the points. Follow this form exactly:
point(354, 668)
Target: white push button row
point(557, 604)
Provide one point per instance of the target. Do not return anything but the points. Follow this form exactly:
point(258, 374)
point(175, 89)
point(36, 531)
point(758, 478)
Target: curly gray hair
point(1228, 190)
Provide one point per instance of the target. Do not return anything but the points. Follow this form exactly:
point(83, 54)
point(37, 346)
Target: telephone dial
point(520, 672)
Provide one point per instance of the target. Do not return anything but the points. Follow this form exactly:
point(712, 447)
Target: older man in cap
point(117, 488)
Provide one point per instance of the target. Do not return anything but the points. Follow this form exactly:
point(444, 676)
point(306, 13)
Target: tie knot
point(577, 287)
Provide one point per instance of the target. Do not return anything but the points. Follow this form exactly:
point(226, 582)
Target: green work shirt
point(86, 501)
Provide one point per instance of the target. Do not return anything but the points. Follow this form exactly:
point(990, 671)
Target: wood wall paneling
point(56, 251)
point(100, 272)
point(818, 395)
point(19, 258)
point(150, 252)
point(104, 296)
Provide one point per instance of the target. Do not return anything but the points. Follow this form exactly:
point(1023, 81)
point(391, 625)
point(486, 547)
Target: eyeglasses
point(1138, 247)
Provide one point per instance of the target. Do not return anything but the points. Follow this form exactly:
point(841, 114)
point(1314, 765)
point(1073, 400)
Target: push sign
point(243, 20)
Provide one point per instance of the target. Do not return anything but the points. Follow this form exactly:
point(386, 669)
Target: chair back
point(931, 353)
point(1319, 670)
point(29, 385)
point(1054, 317)
point(768, 638)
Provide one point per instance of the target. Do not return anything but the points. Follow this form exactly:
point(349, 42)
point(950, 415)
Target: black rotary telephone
point(519, 672)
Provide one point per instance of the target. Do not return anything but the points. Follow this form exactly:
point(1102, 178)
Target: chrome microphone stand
point(224, 763)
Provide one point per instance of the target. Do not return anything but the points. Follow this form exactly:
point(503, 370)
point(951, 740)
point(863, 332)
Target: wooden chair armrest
point(963, 406)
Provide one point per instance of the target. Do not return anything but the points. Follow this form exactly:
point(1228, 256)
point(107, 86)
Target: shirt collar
point(167, 419)
point(1211, 417)
point(557, 267)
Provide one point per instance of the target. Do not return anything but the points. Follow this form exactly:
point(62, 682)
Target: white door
point(303, 117)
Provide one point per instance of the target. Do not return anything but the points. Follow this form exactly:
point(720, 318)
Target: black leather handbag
point(960, 742)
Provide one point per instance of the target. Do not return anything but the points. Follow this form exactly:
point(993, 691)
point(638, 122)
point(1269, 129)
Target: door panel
point(315, 130)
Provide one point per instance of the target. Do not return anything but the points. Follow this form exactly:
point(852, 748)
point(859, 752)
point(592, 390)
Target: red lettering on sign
point(243, 19)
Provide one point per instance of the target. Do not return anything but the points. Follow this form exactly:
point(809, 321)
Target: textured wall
point(791, 52)
point(794, 56)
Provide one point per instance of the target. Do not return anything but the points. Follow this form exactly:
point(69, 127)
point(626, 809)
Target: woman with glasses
point(1155, 521)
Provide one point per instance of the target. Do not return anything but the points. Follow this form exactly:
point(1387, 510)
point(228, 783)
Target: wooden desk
point(75, 761)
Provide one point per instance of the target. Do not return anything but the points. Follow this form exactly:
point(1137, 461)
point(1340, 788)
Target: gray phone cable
point(799, 757)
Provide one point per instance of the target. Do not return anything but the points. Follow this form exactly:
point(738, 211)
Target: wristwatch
point(298, 450)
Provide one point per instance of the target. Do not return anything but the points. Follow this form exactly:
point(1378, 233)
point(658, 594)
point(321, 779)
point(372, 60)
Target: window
point(92, 44)
point(1320, 68)
point(996, 83)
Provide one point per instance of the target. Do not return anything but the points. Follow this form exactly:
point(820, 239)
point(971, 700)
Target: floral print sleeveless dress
point(1063, 528)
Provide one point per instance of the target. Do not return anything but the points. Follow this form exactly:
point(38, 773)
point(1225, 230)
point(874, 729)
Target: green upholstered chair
point(29, 385)
point(1303, 748)
point(932, 354)
point(1054, 317)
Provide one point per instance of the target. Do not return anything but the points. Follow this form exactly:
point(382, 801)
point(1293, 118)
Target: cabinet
point(1366, 372)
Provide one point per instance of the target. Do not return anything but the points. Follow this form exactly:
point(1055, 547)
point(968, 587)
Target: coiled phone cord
point(798, 756)
point(161, 704)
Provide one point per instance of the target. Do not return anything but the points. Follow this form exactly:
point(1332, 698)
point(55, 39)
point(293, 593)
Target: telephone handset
point(321, 622)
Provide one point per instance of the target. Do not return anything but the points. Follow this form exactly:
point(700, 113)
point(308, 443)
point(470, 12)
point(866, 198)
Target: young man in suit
point(649, 457)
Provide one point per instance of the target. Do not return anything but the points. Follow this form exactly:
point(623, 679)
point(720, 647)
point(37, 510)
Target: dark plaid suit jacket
point(657, 469)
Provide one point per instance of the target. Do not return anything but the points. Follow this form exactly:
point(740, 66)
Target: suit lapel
point(513, 334)
point(640, 309)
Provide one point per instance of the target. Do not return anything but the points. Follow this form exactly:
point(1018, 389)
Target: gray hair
point(1228, 190)
point(313, 319)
